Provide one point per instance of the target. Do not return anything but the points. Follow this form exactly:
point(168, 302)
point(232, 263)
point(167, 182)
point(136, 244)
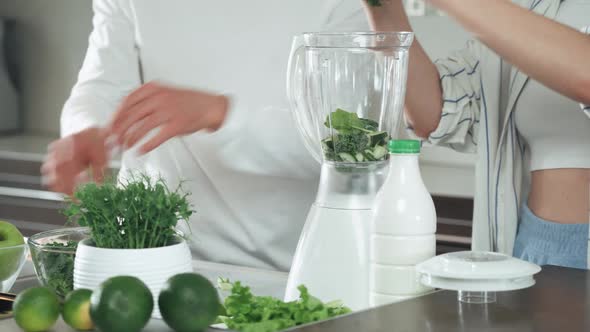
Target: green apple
point(10, 258)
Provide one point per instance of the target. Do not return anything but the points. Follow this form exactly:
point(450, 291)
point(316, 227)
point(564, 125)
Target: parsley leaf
point(248, 313)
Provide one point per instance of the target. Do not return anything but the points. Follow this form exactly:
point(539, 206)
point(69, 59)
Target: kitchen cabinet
point(32, 208)
point(23, 200)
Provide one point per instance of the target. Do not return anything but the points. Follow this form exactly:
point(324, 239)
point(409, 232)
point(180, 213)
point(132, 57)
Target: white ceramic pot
point(153, 266)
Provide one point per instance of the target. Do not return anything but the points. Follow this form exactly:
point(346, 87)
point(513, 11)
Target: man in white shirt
point(157, 76)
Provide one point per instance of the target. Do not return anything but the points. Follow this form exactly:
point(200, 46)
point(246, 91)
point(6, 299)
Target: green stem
point(145, 226)
point(129, 238)
point(156, 222)
point(138, 216)
point(138, 235)
point(156, 240)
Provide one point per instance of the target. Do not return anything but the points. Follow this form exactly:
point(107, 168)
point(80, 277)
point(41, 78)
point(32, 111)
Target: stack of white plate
point(153, 266)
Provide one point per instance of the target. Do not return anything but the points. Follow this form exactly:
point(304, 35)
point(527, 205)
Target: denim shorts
point(548, 243)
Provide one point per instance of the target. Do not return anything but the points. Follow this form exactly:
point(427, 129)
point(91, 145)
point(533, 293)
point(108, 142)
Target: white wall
point(52, 38)
point(9, 116)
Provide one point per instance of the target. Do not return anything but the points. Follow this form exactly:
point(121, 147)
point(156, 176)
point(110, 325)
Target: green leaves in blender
point(354, 139)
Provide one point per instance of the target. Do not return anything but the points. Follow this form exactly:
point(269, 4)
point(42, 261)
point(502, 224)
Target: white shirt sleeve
point(110, 70)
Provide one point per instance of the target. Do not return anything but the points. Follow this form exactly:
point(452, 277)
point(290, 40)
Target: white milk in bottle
point(403, 228)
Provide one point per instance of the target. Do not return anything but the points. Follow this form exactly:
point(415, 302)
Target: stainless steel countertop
point(560, 301)
point(263, 282)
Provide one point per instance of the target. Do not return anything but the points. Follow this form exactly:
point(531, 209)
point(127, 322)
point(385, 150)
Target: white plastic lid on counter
point(475, 274)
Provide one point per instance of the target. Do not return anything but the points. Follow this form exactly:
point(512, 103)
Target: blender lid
point(477, 285)
point(477, 271)
point(360, 39)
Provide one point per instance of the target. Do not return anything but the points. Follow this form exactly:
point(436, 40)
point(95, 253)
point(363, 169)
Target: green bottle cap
point(404, 146)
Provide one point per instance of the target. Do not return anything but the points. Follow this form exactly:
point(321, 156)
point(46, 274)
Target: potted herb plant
point(132, 232)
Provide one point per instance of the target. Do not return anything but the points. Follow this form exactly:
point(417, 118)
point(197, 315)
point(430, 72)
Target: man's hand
point(69, 158)
point(175, 112)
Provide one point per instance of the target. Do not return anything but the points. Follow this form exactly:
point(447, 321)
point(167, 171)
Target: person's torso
point(555, 134)
point(502, 172)
point(554, 128)
point(252, 182)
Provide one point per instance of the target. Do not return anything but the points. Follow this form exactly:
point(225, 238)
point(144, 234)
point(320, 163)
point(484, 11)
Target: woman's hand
point(174, 111)
point(386, 15)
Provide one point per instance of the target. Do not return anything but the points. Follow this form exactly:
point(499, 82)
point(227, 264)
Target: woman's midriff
point(561, 195)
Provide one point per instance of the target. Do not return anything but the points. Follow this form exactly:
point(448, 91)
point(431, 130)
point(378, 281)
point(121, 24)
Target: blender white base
point(332, 257)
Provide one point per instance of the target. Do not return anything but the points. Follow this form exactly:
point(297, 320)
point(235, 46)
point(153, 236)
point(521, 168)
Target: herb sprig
point(248, 313)
point(136, 214)
point(374, 3)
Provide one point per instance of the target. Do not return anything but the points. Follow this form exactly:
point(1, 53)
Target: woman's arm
point(547, 51)
point(424, 92)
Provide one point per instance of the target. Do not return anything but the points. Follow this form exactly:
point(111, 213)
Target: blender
point(346, 92)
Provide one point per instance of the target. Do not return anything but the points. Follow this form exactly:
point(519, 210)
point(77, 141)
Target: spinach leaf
point(343, 121)
point(353, 139)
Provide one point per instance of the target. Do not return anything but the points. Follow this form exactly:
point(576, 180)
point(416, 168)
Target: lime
point(36, 309)
point(121, 304)
point(189, 302)
point(76, 310)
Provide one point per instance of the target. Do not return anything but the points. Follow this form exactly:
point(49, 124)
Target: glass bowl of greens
point(53, 254)
point(12, 260)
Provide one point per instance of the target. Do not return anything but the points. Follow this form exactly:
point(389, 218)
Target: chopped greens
point(141, 213)
point(374, 3)
point(55, 262)
point(355, 139)
point(245, 312)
